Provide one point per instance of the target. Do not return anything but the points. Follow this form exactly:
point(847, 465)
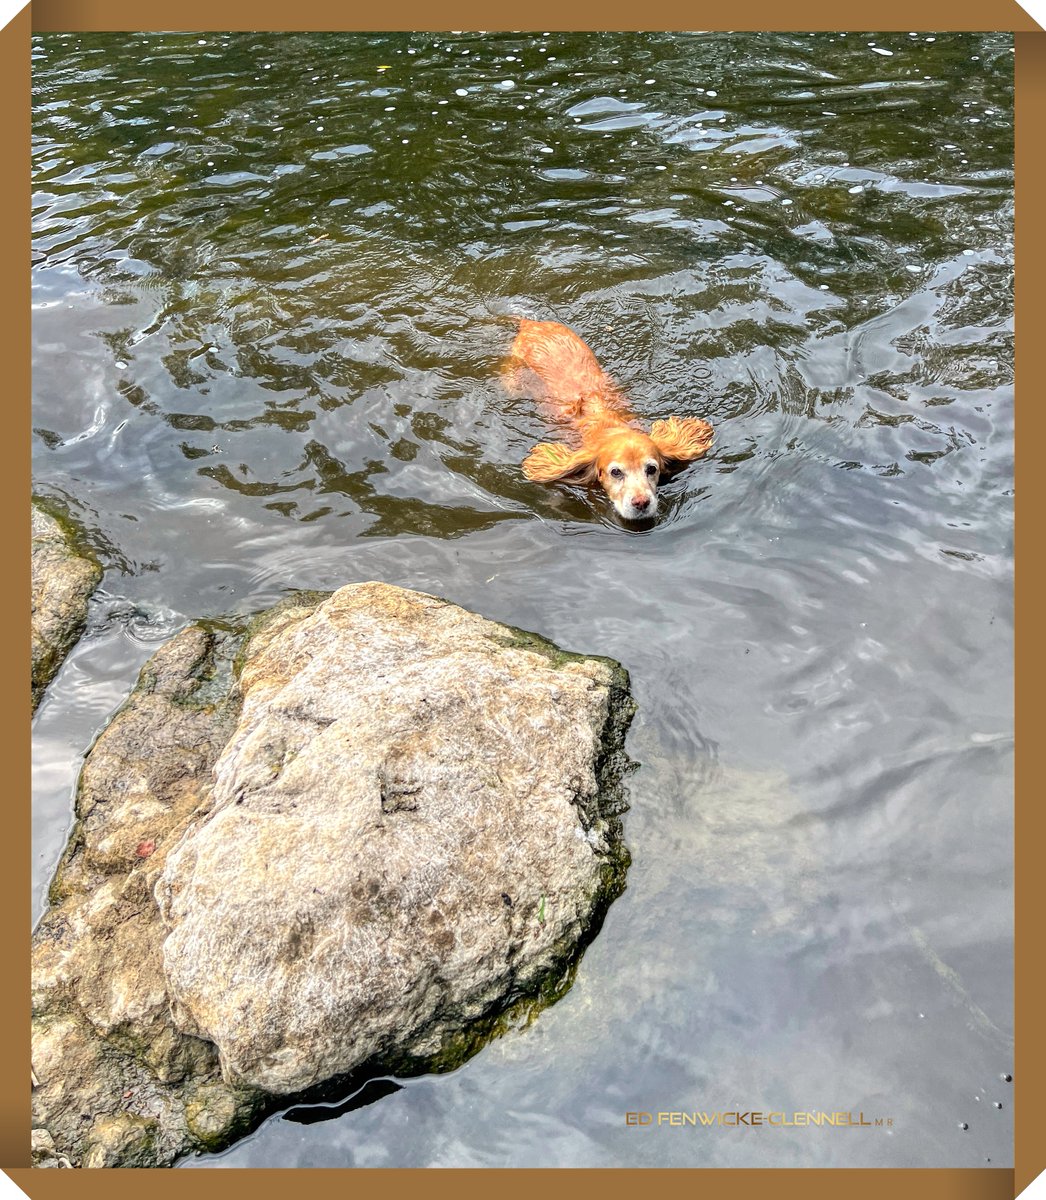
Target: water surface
point(273, 276)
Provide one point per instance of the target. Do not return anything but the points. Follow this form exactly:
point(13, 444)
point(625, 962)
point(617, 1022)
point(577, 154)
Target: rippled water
point(273, 275)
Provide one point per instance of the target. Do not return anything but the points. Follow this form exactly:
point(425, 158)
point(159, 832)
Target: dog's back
point(574, 382)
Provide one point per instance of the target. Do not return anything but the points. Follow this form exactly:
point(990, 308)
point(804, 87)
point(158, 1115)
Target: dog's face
point(625, 461)
point(628, 467)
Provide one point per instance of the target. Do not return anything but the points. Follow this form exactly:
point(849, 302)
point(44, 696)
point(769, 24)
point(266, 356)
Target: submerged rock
point(64, 575)
point(367, 832)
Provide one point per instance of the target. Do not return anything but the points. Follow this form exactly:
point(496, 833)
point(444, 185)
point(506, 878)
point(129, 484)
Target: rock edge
point(64, 575)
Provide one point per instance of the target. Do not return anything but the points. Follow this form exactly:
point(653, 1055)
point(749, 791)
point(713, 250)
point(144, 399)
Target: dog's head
point(627, 463)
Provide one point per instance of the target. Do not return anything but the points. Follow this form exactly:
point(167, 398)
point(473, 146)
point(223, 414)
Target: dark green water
point(271, 280)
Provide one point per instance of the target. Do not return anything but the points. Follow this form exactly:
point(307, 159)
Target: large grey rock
point(374, 840)
point(408, 829)
point(64, 575)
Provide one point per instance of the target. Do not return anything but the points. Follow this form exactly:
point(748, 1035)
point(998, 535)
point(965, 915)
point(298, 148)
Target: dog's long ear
point(552, 462)
point(681, 439)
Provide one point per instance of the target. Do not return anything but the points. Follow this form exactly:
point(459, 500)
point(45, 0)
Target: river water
point(272, 280)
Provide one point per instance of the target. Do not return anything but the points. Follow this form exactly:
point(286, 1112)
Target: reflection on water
point(274, 276)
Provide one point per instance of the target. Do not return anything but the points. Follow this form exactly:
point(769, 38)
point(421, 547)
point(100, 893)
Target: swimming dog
point(614, 451)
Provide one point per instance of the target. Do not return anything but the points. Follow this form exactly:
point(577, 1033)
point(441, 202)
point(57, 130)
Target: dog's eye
point(651, 469)
point(617, 473)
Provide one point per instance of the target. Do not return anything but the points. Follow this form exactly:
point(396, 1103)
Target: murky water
point(272, 277)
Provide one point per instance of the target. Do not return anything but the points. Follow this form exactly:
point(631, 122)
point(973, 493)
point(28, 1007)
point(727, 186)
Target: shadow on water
point(370, 1093)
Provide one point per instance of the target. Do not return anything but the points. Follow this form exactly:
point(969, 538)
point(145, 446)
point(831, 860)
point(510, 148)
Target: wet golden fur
point(613, 450)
